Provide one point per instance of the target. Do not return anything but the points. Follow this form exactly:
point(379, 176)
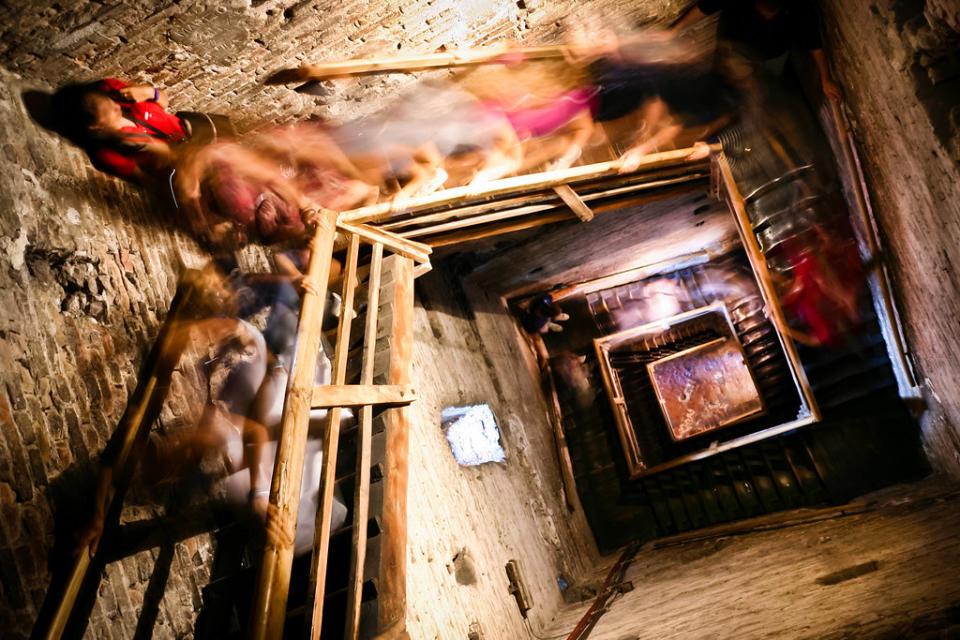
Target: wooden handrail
point(361, 496)
point(365, 393)
point(321, 532)
point(516, 185)
point(273, 583)
point(873, 246)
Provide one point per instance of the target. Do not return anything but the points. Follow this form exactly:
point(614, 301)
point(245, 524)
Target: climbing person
point(761, 33)
point(124, 128)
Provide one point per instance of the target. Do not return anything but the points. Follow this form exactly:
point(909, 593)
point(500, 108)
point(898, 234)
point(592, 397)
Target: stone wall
point(466, 523)
point(86, 276)
point(883, 53)
point(88, 267)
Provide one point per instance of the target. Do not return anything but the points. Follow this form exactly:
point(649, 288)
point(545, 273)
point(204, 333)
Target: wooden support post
point(358, 395)
point(321, 532)
point(572, 200)
point(396, 244)
point(142, 409)
point(393, 548)
point(361, 496)
point(269, 606)
point(466, 57)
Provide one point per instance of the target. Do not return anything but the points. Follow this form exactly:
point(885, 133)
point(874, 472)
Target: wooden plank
point(393, 242)
point(506, 213)
point(421, 269)
point(516, 185)
point(361, 496)
point(142, 409)
point(356, 395)
point(321, 532)
point(393, 548)
point(445, 60)
point(547, 199)
point(270, 600)
point(758, 262)
point(530, 222)
point(572, 200)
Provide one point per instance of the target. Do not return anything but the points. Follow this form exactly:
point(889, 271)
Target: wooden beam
point(499, 213)
point(532, 221)
point(357, 395)
point(560, 439)
point(351, 396)
point(465, 57)
point(397, 244)
point(588, 191)
point(361, 495)
point(393, 547)
point(572, 200)
point(516, 185)
point(873, 246)
point(269, 605)
point(321, 531)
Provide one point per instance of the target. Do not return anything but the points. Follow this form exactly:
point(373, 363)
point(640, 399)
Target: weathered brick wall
point(911, 156)
point(87, 268)
point(86, 275)
point(215, 55)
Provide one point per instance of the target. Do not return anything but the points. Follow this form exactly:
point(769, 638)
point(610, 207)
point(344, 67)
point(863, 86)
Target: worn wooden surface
point(609, 244)
point(394, 540)
point(813, 580)
point(361, 495)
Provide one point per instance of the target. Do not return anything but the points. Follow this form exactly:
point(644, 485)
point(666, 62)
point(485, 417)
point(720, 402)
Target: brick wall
point(912, 162)
point(86, 276)
point(88, 267)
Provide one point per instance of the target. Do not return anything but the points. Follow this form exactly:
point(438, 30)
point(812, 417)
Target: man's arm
point(145, 93)
point(830, 88)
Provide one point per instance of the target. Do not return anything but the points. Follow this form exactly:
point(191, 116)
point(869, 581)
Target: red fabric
point(123, 163)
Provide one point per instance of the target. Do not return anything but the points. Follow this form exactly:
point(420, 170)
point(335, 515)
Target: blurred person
point(239, 421)
point(821, 284)
point(410, 140)
point(232, 195)
point(654, 88)
point(763, 32)
point(547, 103)
point(543, 315)
point(125, 129)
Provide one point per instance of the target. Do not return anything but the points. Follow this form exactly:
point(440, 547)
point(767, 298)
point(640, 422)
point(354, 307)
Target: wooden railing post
point(393, 551)
point(328, 469)
point(270, 600)
point(361, 496)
